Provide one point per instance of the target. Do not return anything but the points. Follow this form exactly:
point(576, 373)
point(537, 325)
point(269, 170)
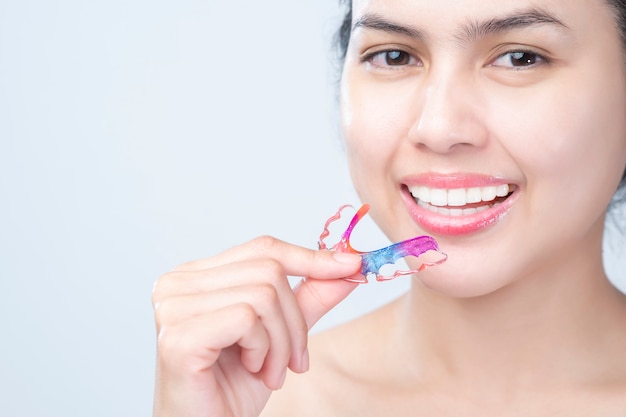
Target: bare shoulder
point(336, 370)
point(361, 368)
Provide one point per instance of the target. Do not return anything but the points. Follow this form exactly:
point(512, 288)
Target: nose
point(449, 116)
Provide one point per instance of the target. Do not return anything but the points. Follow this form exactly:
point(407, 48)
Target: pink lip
point(457, 225)
point(434, 180)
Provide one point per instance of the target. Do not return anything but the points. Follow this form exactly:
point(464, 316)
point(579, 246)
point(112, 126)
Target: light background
point(136, 135)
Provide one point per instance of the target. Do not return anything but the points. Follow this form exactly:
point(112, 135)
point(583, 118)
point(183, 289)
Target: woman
point(441, 102)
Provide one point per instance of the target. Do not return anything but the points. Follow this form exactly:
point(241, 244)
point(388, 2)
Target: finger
point(246, 272)
point(296, 260)
point(317, 297)
point(263, 299)
point(300, 314)
point(253, 273)
point(193, 346)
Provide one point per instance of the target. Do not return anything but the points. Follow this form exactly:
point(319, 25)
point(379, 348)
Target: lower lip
point(440, 224)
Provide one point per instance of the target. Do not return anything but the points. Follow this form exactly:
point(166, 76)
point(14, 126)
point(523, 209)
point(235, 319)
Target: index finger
point(296, 260)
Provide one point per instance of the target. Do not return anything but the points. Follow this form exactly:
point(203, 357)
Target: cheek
point(374, 124)
point(572, 146)
point(588, 145)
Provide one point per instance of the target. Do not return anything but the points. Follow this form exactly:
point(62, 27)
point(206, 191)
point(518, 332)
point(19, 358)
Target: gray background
point(136, 135)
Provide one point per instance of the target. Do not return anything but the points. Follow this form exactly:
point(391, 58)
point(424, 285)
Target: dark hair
point(619, 9)
point(342, 38)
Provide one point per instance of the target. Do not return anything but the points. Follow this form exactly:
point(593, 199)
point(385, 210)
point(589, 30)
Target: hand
point(229, 326)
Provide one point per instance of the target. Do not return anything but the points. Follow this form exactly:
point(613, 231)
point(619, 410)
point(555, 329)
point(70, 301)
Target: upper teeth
point(458, 197)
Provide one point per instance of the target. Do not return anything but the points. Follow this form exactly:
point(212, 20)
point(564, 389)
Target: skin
point(520, 320)
point(465, 110)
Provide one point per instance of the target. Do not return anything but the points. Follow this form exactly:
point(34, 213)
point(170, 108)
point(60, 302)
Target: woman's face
point(496, 126)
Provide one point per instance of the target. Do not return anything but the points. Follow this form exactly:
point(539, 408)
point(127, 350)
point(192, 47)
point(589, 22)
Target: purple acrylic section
point(373, 261)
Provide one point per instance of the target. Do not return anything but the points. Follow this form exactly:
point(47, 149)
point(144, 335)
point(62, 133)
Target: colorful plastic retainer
point(373, 261)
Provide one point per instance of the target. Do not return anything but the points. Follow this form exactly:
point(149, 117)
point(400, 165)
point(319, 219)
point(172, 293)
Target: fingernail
point(347, 258)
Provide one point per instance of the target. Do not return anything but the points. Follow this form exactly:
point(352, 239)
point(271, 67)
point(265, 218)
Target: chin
point(460, 282)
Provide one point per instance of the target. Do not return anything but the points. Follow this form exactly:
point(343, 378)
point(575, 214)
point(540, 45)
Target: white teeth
point(488, 193)
point(474, 195)
point(456, 197)
point(454, 212)
point(502, 190)
point(438, 197)
point(459, 197)
point(422, 193)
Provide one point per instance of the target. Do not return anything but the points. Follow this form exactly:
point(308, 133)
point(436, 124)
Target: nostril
point(446, 123)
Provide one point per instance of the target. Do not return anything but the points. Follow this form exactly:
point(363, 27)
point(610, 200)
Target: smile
point(458, 202)
point(458, 205)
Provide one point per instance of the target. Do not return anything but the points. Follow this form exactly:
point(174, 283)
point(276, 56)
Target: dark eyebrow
point(468, 32)
point(519, 19)
point(377, 22)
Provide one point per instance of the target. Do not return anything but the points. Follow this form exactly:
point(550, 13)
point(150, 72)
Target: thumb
point(317, 297)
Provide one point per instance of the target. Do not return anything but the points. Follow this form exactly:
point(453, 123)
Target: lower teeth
point(454, 212)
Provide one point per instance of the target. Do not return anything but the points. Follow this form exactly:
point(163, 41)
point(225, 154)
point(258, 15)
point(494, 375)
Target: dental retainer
point(373, 261)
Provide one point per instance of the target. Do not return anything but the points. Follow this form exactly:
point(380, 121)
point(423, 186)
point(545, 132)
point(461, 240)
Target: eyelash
point(533, 59)
point(386, 54)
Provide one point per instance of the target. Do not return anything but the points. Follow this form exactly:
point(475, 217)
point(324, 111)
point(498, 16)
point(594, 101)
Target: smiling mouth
point(456, 202)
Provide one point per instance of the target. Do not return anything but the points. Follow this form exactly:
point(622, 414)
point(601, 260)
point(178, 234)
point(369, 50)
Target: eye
point(390, 58)
point(519, 59)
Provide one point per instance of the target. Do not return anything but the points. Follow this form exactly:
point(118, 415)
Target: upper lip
point(459, 180)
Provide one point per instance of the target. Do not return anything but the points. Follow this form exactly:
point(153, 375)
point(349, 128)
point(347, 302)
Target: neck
point(542, 329)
